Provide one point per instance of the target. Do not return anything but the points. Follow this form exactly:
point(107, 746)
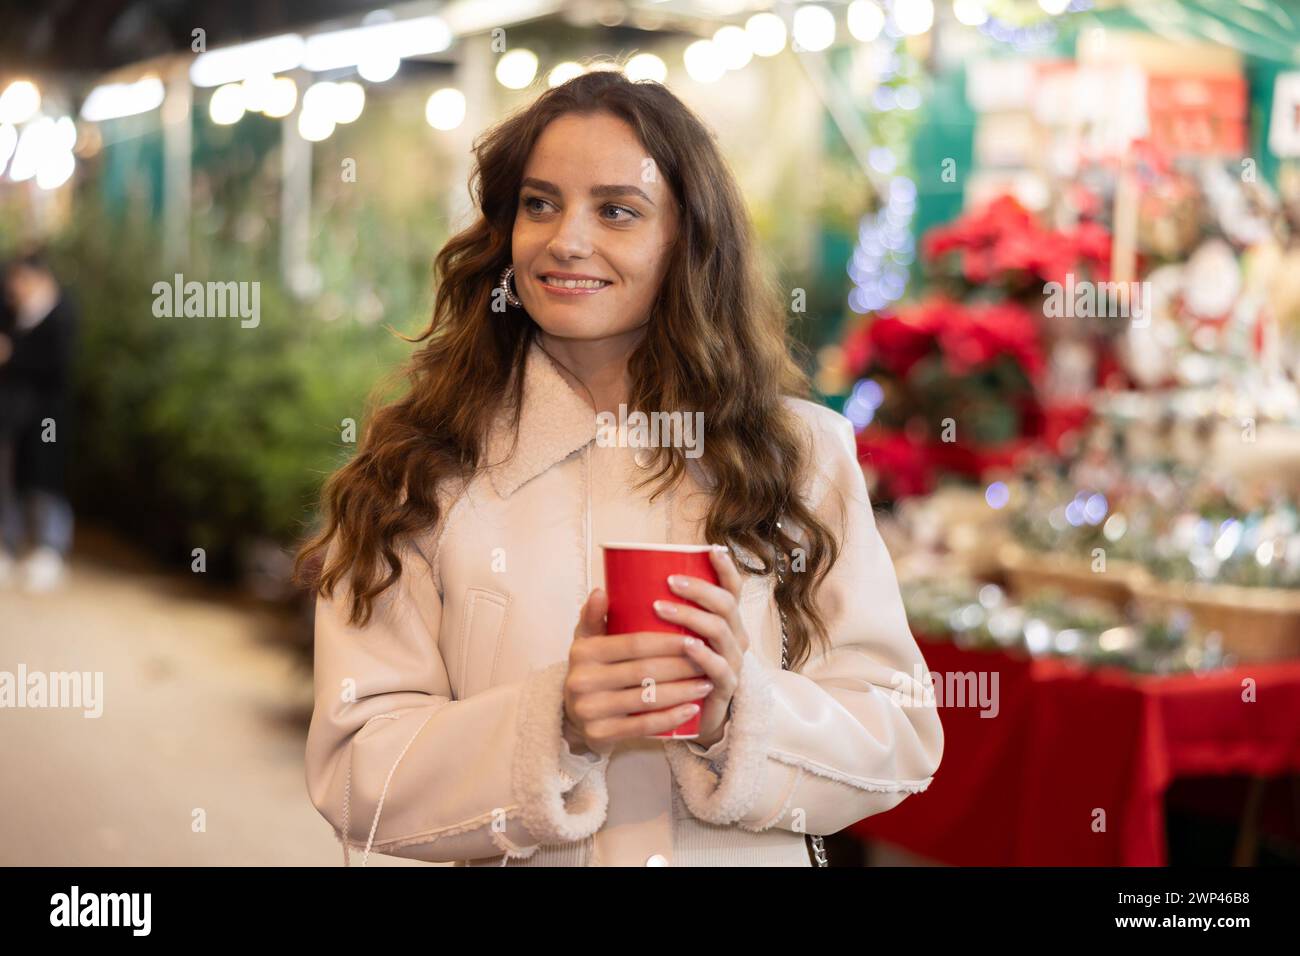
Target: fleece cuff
point(553, 808)
point(724, 795)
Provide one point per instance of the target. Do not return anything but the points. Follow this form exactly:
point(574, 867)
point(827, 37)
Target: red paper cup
point(636, 575)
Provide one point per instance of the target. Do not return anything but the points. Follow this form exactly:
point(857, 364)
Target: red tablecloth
point(1072, 769)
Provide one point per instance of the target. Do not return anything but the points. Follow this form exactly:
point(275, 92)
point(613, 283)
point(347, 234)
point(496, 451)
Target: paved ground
point(205, 706)
point(202, 708)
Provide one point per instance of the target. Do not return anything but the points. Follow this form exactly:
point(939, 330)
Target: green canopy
point(1260, 29)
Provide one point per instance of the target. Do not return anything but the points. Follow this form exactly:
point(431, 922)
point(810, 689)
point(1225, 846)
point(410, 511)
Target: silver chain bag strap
point(818, 846)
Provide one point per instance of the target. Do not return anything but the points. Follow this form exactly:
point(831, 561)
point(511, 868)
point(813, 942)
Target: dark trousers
point(40, 514)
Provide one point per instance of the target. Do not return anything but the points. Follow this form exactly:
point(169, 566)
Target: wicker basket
point(1256, 624)
point(1029, 572)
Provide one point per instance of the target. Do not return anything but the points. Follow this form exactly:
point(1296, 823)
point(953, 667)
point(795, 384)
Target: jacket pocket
point(480, 639)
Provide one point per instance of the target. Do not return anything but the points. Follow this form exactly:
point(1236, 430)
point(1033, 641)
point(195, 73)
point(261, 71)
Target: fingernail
point(721, 548)
point(677, 581)
point(665, 607)
point(688, 642)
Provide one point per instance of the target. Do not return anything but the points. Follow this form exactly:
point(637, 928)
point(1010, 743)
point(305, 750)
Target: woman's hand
point(604, 689)
point(718, 620)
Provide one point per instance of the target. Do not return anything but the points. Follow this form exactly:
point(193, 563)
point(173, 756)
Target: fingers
point(640, 725)
point(723, 598)
point(627, 647)
point(591, 620)
point(591, 676)
point(727, 573)
point(642, 684)
point(716, 667)
point(721, 635)
point(708, 596)
point(634, 701)
point(637, 691)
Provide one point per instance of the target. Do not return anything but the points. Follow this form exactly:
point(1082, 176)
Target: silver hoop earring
point(505, 287)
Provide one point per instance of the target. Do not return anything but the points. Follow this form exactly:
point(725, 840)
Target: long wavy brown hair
point(717, 340)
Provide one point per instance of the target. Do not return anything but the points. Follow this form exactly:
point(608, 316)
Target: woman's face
point(591, 207)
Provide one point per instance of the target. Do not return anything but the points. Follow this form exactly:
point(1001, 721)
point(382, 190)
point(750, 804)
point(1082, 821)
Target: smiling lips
point(560, 284)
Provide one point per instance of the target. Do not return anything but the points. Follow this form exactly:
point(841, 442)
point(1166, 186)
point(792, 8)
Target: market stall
point(1085, 420)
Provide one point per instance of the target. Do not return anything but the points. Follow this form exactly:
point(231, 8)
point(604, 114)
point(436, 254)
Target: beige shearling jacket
point(436, 732)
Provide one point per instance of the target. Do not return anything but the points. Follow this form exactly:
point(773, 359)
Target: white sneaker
point(43, 570)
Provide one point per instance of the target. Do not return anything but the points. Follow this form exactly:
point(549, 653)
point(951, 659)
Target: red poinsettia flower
point(969, 338)
point(900, 463)
point(856, 347)
point(1001, 217)
point(1093, 243)
point(1007, 328)
point(1054, 257)
point(1016, 252)
point(898, 344)
point(941, 240)
point(1004, 241)
point(977, 266)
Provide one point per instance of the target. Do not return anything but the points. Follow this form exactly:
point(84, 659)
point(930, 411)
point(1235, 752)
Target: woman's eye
point(612, 212)
point(630, 213)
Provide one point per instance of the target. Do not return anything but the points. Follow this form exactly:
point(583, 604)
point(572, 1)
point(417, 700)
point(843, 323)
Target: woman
point(469, 705)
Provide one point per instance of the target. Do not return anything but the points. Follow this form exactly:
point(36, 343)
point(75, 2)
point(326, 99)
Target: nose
point(570, 240)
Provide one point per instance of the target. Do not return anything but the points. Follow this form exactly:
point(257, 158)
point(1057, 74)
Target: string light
point(813, 28)
point(445, 109)
point(766, 34)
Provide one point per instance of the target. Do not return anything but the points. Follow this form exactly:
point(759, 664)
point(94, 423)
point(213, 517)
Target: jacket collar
point(554, 422)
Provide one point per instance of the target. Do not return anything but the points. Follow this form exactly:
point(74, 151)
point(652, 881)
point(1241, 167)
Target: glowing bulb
point(766, 33)
point(8, 142)
point(646, 66)
point(970, 12)
point(814, 28)
point(445, 109)
point(257, 90)
point(280, 97)
point(19, 102)
point(55, 170)
point(914, 17)
point(314, 125)
point(733, 47)
point(65, 133)
point(703, 62)
point(43, 151)
point(349, 101)
point(320, 98)
point(516, 69)
point(379, 67)
point(227, 104)
point(866, 20)
point(561, 73)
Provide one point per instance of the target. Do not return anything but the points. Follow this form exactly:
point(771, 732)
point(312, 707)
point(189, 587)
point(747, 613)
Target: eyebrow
point(599, 192)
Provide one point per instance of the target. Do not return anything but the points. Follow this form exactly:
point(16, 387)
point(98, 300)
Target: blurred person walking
point(37, 330)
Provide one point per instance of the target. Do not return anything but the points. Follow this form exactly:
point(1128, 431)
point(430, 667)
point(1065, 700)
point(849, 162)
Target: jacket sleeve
point(396, 765)
point(855, 730)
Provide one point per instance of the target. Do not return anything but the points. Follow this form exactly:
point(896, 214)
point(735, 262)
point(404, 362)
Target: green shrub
point(197, 432)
